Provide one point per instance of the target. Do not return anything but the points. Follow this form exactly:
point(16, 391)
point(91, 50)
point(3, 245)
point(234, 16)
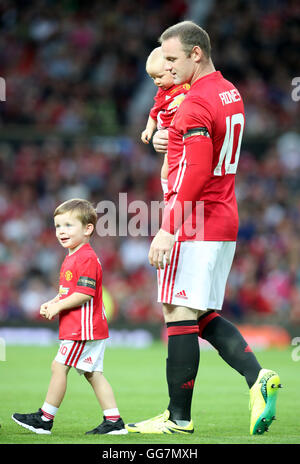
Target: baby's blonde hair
point(155, 59)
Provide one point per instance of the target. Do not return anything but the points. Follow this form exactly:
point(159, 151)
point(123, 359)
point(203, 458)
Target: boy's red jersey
point(210, 120)
point(167, 103)
point(82, 272)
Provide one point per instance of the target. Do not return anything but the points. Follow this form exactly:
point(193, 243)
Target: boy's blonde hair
point(83, 210)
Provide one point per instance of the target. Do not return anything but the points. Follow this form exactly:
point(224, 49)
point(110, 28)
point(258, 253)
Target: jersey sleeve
point(157, 103)
point(195, 124)
point(153, 112)
point(195, 113)
point(87, 276)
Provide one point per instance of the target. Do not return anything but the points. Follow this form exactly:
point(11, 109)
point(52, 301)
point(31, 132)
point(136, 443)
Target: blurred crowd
point(76, 66)
point(76, 69)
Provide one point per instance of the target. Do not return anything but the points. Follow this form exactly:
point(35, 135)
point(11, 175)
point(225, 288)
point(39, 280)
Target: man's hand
point(160, 141)
point(161, 247)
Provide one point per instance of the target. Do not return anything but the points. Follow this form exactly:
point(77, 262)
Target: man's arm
point(199, 156)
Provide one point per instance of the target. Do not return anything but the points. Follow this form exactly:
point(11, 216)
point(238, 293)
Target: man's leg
point(182, 361)
point(182, 367)
point(230, 344)
point(232, 347)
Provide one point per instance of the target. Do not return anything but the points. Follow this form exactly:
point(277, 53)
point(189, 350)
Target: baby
point(167, 100)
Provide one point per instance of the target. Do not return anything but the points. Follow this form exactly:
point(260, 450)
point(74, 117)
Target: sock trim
point(47, 415)
point(202, 322)
point(112, 414)
point(112, 418)
point(182, 330)
point(49, 411)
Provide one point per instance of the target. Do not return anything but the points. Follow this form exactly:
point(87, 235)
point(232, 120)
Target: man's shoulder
point(210, 93)
point(195, 103)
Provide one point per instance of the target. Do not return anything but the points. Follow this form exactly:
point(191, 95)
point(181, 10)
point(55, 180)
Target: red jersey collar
point(86, 245)
point(212, 75)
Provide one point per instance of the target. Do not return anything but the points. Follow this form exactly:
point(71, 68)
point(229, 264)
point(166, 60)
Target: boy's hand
point(48, 311)
point(146, 136)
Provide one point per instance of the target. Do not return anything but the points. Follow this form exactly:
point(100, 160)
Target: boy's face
point(70, 231)
point(161, 78)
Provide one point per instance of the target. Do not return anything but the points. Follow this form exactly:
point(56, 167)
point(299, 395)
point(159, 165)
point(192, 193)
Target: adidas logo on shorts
point(181, 294)
point(88, 360)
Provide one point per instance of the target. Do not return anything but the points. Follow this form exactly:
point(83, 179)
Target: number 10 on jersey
point(226, 152)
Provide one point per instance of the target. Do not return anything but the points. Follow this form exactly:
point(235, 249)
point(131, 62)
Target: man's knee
point(174, 313)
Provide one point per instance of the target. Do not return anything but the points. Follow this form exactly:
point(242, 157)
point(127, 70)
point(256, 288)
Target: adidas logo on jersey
point(181, 294)
point(88, 360)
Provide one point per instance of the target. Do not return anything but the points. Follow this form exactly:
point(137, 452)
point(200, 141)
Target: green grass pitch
point(220, 404)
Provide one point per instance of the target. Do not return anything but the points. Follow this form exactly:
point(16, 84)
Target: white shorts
point(85, 356)
point(197, 274)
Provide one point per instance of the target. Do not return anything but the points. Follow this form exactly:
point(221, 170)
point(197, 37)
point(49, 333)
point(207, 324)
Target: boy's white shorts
point(197, 274)
point(85, 356)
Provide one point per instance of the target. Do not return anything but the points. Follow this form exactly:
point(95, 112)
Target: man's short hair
point(83, 210)
point(190, 35)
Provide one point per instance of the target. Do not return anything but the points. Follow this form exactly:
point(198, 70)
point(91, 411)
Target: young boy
point(167, 100)
point(83, 328)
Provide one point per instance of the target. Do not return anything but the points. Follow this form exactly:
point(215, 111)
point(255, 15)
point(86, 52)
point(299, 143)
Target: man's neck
point(203, 70)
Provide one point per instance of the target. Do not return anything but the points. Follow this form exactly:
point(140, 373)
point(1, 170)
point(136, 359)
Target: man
point(194, 262)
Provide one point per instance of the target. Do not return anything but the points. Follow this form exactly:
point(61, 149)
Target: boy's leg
point(56, 390)
point(58, 384)
point(41, 422)
point(102, 389)
point(113, 423)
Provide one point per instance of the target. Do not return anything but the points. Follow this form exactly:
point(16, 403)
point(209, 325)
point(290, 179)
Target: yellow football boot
point(160, 425)
point(263, 396)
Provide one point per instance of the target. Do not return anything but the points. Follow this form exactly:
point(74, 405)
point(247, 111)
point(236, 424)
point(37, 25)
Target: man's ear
point(197, 54)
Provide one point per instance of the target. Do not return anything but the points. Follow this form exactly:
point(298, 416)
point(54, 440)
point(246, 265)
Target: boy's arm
point(72, 301)
point(54, 300)
point(148, 132)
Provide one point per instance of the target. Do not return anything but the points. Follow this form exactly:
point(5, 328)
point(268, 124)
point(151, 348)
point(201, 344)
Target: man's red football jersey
point(167, 103)
point(82, 272)
point(207, 128)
